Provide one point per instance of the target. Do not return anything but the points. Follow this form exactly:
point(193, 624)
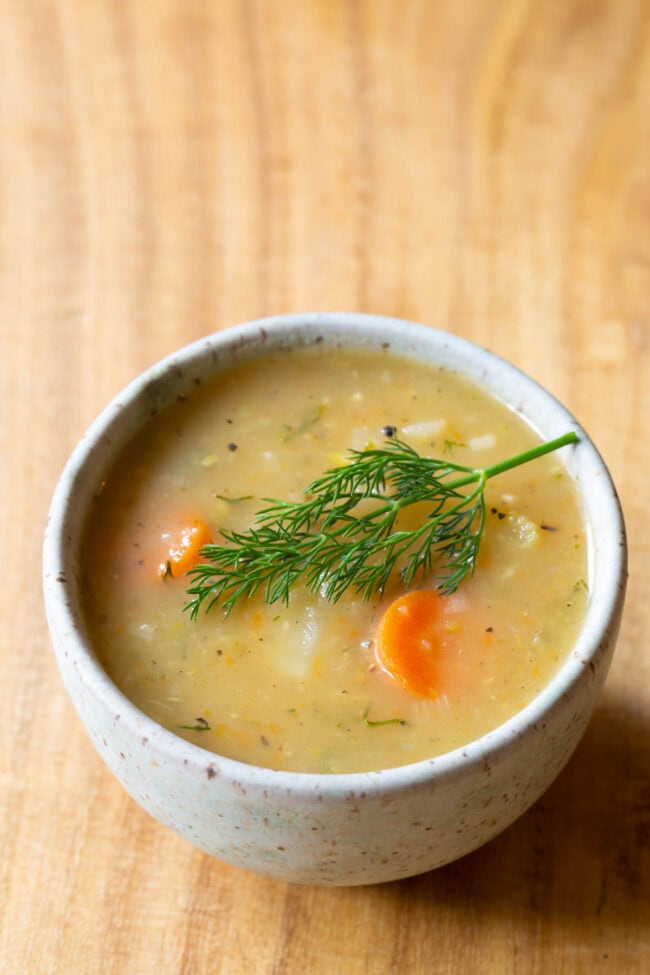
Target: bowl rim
point(64, 529)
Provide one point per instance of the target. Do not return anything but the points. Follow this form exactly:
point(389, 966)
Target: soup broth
point(299, 686)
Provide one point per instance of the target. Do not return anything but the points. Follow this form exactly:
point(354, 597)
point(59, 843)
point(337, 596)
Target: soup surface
point(300, 687)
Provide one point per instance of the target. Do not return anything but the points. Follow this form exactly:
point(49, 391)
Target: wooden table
point(171, 167)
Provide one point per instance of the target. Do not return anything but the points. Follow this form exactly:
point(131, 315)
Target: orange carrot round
point(184, 546)
point(407, 639)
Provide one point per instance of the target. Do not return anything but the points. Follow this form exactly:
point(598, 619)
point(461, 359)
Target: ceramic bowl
point(345, 829)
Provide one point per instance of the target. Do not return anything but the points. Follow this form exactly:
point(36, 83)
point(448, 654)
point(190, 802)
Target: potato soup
point(300, 686)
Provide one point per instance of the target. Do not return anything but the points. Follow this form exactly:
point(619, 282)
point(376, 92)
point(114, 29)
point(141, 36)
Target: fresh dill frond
point(345, 535)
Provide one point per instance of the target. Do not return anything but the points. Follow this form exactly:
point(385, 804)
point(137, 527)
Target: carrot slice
point(184, 546)
point(407, 639)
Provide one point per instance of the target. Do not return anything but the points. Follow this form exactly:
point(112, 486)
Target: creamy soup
point(300, 686)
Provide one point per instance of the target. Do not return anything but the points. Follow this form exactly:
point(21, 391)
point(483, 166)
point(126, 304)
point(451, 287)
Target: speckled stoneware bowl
point(354, 828)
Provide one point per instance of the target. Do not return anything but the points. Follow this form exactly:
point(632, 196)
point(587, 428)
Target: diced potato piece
point(299, 643)
point(525, 531)
point(424, 430)
point(220, 509)
point(482, 443)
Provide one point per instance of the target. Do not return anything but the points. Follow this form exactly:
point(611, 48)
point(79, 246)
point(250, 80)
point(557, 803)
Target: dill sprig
point(345, 534)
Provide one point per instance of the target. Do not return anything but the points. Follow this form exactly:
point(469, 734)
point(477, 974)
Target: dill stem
point(516, 461)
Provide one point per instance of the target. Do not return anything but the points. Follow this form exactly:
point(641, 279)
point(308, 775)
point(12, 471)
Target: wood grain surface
point(171, 167)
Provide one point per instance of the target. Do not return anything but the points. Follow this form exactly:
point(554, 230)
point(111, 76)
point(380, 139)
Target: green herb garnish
point(308, 420)
point(344, 535)
point(241, 497)
point(379, 724)
point(200, 725)
point(448, 446)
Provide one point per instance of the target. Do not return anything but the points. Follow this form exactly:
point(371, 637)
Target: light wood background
point(171, 167)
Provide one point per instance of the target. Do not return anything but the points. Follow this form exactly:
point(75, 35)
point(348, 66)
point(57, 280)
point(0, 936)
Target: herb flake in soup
point(312, 684)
